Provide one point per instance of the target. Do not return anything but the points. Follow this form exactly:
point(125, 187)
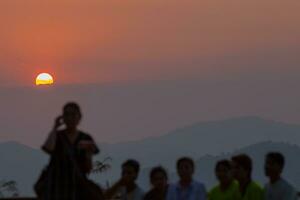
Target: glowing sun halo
point(44, 79)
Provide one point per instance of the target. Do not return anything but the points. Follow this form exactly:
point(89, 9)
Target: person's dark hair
point(132, 163)
point(72, 105)
point(277, 157)
point(187, 160)
point(156, 170)
point(244, 161)
point(225, 163)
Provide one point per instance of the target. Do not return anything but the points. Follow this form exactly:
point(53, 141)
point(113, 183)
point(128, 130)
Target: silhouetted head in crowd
point(72, 115)
point(185, 169)
point(130, 171)
point(242, 167)
point(224, 172)
point(274, 165)
point(159, 178)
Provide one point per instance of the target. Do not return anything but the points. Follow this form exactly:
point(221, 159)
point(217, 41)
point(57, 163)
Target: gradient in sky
point(223, 58)
point(92, 41)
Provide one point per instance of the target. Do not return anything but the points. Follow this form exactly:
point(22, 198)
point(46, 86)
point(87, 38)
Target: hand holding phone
point(59, 121)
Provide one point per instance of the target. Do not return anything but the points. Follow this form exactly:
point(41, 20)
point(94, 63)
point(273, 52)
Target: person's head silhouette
point(159, 178)
point(185, 169)
point(274, 165)
point(130, 171)
point(224, 172)
point(242, 167)
point(72, 115)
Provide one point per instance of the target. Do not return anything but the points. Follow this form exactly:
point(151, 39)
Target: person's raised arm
point(50, 143)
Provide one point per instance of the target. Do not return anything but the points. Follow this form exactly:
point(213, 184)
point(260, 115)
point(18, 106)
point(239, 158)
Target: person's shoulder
point(214, 190)
point(85, 135)
point(172, 187)
point(254, 186)
point(285, 183)
point(235, 183)
point(149, 193)
point(267, 185)
point(171, 191)
point(235, 187)
point(122, 191)
point(287, 186)
point(140, 189)
point(139, 192)
point(199, 184)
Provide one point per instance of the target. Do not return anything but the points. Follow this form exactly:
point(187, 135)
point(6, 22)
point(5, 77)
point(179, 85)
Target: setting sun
point(44, 79)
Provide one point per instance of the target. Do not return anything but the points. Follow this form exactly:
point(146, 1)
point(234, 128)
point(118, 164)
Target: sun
point(44, 79)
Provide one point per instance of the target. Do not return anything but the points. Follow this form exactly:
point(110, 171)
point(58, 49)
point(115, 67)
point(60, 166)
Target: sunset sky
point(95, 41)
point(223, 58)
point(149, 74)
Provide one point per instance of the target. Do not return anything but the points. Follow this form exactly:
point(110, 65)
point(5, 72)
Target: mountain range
point(205, 142)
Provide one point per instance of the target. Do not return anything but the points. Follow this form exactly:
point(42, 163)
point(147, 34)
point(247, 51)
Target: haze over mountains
point(205, 138)
point(206, 142)
point(137, 110)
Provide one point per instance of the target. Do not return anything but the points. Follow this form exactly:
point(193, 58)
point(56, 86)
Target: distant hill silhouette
point(21, 163)
point(196, 140)
point(206, 142)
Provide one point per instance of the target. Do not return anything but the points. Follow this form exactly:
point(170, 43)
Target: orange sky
point(253, 45)
point(82, 41)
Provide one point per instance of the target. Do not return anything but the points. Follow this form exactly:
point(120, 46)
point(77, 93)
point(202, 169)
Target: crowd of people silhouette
point(71, 151)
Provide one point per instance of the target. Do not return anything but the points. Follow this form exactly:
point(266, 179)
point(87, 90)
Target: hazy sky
point(243, 58)
point(83, 41)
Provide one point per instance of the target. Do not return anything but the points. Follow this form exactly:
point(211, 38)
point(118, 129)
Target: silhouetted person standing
point(249, 190)
point(71, 152)
point(277, 188)
point(126, 188)
point(228, 188)
point(159, 181)
point(187, 188)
